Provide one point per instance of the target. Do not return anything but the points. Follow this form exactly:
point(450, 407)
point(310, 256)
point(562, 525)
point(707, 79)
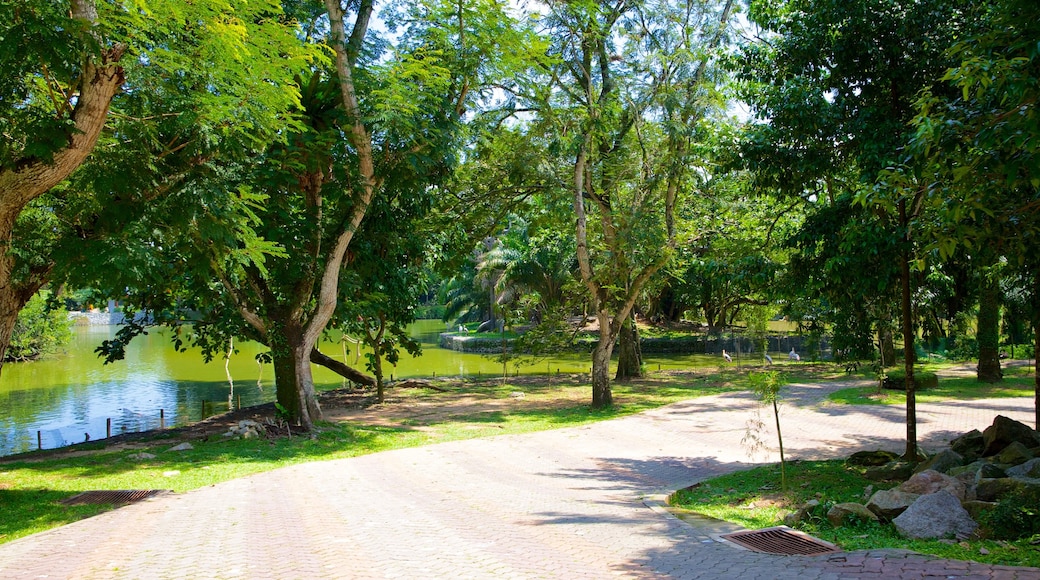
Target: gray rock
point(141, 456)
point(969, 445)
point(841, 514)
point(1003, 432)
point(936, 515)
point(996, 489)
point(929, 481)
point(871, 458)
point(970, 469)
point(1030, 469)
point(970, 475)
point(942, 462)
point(182, 447)
point(889, 503)
point(1014, 454)
point(896, 470)
point(989, 470)
point(801, 514)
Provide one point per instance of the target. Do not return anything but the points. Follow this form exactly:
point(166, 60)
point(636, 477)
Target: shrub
point(41, 329)
point(964, 349)
point(896, 380)
point(1015, 517)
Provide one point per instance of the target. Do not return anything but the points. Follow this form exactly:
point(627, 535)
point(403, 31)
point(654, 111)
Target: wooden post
point(202, 415)
point(39, 441)
point(240, 401)
point(162, 418)
point(108, 427)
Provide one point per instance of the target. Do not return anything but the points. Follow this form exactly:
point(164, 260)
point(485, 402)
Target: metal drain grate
point(781, 540)
point(114, 496)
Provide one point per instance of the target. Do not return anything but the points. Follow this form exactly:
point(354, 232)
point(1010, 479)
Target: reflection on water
point(65, 398)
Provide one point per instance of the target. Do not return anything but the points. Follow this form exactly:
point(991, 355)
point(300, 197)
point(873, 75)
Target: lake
point(63, 398)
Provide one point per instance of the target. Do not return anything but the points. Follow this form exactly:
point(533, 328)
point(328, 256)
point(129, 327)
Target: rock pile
point(246, 429)
point(948, 493)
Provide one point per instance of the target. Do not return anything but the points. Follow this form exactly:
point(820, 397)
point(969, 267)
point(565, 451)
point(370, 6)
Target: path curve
point(569, 503)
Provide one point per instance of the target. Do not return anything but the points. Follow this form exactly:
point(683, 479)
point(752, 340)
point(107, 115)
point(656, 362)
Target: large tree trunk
point(1036, 351)
point(13, 298)
point(601, 394)
point(989, 330)
point(29, 178)
point(888, 346)
point(630, 359)
point(294, 382)
point(1036, 373)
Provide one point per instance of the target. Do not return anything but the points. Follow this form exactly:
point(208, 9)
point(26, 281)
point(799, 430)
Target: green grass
point(32, 485)
point(950, 389)
point(753, 499)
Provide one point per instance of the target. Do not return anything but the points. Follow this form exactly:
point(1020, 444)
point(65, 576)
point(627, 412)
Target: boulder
point(182, 447)
point(996, 489)
point(895, 470)
point(889, 503)
point(942, 462)
point(936, 515)
point(1014, 454)
point(1030, 469)
point(977, 470)
point(871, 458)
point(969, 445)
point(845, 513)
point(929, 481)
point(1005, 431)
point(989, 470)
point(801, 514)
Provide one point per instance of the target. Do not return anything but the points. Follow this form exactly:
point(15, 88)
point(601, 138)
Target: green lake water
point(61, 399)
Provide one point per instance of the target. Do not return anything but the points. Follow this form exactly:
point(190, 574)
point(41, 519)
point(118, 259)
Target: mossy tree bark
point(989, 330)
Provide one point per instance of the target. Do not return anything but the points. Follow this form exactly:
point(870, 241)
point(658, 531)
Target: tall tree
point(630, 79)
point(834, 83)
point(65, 66)
point(975, 132)
point(381, 127)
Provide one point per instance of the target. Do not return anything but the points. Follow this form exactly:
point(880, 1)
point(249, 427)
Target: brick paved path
point(571, 503)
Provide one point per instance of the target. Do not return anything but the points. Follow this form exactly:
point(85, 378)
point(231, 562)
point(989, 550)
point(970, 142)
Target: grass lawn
point(1018, 382)
point(32, 485)
point(754, 500)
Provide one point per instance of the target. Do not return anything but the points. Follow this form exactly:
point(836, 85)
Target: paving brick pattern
point(582, 502)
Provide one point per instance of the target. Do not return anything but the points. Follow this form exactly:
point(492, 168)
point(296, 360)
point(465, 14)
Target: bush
point(896, 380)
point(1018, 351)
point(1015, 517)
point(41, 329)
point(964, 349)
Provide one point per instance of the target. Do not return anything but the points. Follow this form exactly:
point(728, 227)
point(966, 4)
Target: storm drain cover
point(115, 496)
point(781, 540)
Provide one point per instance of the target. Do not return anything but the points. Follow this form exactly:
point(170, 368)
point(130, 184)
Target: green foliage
point(749, 498)
point(966, 348)
point(896, 378)
point(43, 327)
point(949, 389)
point(1015, 517)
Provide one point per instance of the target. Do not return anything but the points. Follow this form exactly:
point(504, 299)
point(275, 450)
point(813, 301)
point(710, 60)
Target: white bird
point(793, 355)
point(769, 358)
point(726, 356)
